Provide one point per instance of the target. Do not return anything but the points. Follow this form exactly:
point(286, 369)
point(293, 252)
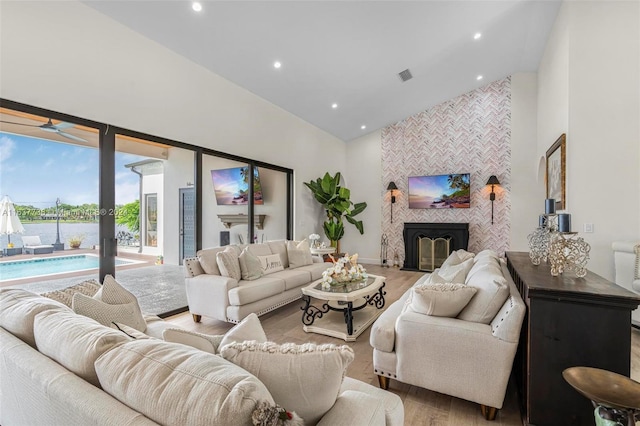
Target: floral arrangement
point(344, 270)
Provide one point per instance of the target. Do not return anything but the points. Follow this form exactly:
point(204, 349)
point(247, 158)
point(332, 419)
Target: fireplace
point(456, 234)
point(432, 252)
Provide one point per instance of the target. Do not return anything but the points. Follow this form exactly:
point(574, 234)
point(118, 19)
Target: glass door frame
point(106, 187)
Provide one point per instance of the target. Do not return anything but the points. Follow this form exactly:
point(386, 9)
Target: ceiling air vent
point(405, 75)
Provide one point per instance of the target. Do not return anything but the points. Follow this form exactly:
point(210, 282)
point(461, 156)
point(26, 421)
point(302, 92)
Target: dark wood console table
point(570, 322)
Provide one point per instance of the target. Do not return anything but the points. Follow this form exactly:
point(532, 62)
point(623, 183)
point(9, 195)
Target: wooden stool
point(607, 389)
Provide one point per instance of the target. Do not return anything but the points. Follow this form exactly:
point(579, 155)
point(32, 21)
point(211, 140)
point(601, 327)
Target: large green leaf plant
point(337, 203)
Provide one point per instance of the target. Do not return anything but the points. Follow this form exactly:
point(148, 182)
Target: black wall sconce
point(392, 187)
point(493, 180)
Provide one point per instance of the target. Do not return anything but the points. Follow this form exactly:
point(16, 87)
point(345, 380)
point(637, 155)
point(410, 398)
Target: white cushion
point(441, 300)
point(208, 260)
point(88, 288)
point(260, 249)
point(229, 264)
point(250, 265)
point(493, 290)
point(299, 254)
point(74, 341)
point(487, 254)
point(200, 341)
point(249, 328)
point(271, 263)
point(193, 267)
point(302, 378)
point(453, 273)
point(18, 309)
point(280, 247)
point(115, 304)
point(253, 291)
point(173, 384)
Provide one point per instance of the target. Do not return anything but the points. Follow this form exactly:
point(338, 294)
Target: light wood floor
point(422, 407)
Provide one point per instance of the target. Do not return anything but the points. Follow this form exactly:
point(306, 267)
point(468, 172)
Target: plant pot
point(74, 245)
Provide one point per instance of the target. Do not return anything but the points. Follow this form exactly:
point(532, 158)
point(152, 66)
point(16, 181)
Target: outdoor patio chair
point(33, 245)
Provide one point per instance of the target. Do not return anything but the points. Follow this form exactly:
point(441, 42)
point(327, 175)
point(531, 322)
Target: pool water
point(30, 268)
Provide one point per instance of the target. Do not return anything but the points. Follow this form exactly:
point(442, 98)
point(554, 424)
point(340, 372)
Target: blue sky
point(36, 171)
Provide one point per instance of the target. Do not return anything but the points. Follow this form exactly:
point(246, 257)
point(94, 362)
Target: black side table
point(12, 251)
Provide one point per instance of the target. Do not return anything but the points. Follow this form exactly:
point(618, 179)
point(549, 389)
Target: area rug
point(159, 289)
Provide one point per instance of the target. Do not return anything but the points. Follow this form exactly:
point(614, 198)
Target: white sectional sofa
point(468, 354)
point(212, 294)
point(61, 368)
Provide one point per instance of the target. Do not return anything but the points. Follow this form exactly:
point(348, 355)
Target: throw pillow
point(89, 288)
point(208, 261)
point(228, 263)
point(116, 304)
point(18, 308)
point(270, 264)
point(441, 300)
point(299, 254)
point(454, 273)
point(74, 341)
point(303, 378)
point(203, 342)
point(249, 328)
point(250, 265)
point(493, 291)
point(453, 259)
point(173, 384)
point(193, 267)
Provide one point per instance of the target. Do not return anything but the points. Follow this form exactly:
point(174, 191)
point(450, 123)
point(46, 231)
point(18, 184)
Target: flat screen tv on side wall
point(439, 192)
point(232, 186)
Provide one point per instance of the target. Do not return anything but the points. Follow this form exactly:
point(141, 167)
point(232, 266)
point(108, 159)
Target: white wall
point(178, 171)
point(363, 176)
point(67, 57)
point(526, 194)
point(589, 88)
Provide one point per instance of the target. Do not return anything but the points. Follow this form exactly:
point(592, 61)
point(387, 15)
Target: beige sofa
point(466, 359)
point(141, 380)
point(211, 294)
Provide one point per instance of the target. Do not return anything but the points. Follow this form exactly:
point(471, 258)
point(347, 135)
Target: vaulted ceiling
point(349, 53)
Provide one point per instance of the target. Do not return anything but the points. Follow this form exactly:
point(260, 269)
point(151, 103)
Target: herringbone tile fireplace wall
point(468, 134)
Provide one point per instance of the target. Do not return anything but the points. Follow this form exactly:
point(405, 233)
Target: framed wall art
point(556, 175)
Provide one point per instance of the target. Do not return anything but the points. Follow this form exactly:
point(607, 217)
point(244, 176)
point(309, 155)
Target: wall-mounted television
point(440, 191)
point(232, 186)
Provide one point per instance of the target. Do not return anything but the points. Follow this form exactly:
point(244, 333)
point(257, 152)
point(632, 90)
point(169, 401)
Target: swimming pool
point(36, 267)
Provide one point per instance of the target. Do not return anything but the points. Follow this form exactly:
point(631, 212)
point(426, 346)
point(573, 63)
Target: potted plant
point(336, 200)
point(75, 241)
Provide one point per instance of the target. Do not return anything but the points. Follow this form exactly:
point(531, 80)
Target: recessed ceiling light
point(476, 36)
point(334, 106)
point(479, 78)
point(197, 6)
point(277, 64)
point(363, 127)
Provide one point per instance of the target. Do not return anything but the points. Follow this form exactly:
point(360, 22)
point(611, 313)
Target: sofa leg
point(196, 318)
point(489, 413)
point(383, 381)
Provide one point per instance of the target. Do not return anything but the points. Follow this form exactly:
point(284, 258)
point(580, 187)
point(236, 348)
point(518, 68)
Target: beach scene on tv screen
point(439, 192)
point(232, 186)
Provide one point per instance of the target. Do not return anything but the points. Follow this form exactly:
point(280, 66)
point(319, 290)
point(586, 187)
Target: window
point(151, 219)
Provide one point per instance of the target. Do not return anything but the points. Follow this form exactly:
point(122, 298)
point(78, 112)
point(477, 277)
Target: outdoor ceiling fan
point(52, 128)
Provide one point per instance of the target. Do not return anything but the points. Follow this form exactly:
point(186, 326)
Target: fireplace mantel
point(458, 232)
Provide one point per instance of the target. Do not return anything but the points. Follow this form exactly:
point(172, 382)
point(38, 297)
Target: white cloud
point(7, 146)
point(127, 192)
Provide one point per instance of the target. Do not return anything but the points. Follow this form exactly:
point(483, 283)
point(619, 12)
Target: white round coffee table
point(354, 307)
